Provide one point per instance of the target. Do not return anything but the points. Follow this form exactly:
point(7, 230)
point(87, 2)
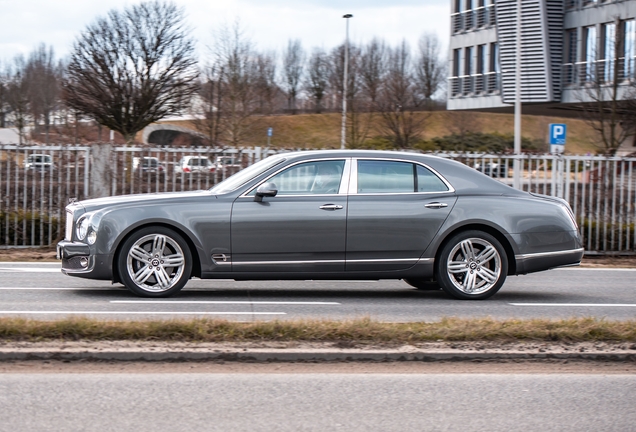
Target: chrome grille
point(69, 225)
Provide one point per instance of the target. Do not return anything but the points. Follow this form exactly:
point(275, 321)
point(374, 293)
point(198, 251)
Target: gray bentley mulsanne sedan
point(326, 215)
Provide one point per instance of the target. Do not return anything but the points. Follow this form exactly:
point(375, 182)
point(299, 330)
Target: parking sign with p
point(557, 133)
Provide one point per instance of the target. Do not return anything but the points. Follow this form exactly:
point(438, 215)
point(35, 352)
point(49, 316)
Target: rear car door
point(395, 208)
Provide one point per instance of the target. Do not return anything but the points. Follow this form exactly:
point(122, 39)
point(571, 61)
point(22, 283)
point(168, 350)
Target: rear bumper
point(529, 263)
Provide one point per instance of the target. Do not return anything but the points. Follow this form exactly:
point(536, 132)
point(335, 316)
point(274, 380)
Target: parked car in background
point(39, 162)
point(492, 169)
point(227, 164)
point(364, 215)
point(194, 164)
point(148, 164)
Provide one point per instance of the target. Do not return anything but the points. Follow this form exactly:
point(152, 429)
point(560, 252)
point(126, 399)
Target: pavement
point(129, 351)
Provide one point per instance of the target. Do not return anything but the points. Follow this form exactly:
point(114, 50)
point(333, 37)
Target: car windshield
point(243, 176)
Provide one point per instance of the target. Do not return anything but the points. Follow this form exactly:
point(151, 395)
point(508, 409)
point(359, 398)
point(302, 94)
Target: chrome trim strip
point(343, 185)
point(406, 260)
point(353, 183)
point(545, 254)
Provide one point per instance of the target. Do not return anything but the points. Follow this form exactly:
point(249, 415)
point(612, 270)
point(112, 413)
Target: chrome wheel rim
point(155, 263)
point(474, 266)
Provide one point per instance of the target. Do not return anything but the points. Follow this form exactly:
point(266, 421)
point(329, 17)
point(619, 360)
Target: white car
point(228, 163)
point(147, 164)
point(39, 162)
point(194, 164)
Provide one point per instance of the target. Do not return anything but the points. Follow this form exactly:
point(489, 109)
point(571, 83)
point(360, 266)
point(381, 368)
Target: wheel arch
point(196, 262)
point(510, 255)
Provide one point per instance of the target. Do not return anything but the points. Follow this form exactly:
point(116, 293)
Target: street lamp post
point(516, 179)
point(344, 85)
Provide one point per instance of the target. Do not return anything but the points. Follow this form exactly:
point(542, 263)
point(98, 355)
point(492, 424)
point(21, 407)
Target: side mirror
point(266, 189)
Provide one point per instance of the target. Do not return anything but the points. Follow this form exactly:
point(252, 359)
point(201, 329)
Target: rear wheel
point(155, 262)
point(472, 266)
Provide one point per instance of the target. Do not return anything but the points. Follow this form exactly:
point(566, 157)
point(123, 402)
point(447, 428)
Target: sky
point(269, 24)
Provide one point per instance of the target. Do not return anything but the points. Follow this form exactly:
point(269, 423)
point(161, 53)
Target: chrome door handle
point(436, 205)
point(330, 207)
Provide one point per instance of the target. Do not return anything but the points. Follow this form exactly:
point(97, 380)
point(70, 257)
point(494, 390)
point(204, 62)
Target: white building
point(564, 45)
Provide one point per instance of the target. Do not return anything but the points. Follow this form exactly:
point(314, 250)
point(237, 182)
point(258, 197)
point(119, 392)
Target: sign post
point(270, 132)
point(558, 132)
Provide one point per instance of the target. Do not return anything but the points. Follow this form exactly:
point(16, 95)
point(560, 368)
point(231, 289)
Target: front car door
point(301, 229)
point(395, 209)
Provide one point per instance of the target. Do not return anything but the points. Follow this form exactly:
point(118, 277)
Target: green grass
point(322, 131)
point(360, 331)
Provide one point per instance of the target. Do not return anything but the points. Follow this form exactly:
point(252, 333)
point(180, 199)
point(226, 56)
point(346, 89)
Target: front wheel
point(472, 266)
point(155, 262)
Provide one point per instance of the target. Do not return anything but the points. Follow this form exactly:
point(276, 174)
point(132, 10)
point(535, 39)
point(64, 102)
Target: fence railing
point(37, 182)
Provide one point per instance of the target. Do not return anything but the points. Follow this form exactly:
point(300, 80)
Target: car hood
point(139, 199)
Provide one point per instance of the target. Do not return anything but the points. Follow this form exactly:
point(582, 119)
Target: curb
point(265, 356)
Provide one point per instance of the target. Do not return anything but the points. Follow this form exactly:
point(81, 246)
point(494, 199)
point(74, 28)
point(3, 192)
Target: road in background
point(40, 290)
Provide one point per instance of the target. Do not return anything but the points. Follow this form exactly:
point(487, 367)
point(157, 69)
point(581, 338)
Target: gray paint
point(287, 237)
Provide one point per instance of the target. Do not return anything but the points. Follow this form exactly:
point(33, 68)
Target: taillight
point(186, 169)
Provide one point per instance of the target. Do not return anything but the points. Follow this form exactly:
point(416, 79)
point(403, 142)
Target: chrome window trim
point(353, 182)
point(546, 254)
point(343, 184)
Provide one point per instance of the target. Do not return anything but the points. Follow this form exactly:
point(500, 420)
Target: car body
point(340, 214)
point(194, 164)
point(148, 164)
point(39, 162)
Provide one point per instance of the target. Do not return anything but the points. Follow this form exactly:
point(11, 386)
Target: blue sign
point(557, 133)
point(270, 131)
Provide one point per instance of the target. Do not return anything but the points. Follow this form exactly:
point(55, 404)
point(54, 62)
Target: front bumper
point(77, 260)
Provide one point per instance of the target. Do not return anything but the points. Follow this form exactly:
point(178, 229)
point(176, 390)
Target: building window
point(455, 81)
point(480, 72)
point(570, 56)
point(608, 46)
point(493, 68)
point(628, 46)
point(468, 71)
point(589, 54)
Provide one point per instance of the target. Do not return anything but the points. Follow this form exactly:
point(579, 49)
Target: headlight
point(82, 228)
point(92, 237)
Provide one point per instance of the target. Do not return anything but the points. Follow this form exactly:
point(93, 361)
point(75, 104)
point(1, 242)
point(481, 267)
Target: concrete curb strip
point(249, 353)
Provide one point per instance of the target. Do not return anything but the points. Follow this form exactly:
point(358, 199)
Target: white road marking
point(576, 304)
point(30, 270)
point(221, 302)
point(136, 313)
point(62, 289)
point(594, 269)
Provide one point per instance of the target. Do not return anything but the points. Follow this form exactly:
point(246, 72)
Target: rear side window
point(376, 176)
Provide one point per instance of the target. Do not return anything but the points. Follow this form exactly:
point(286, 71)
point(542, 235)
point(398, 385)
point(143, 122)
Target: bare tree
point(206, 103)
point(265, 81)
point(373, 70)
point(430, 71)
point(397, 105)
point(44, 78)
point(5, 75)
point(238, 99)
point(317, 80)
point(293, 65)
point(133, 68)
point(18, 96)
point(608, 93)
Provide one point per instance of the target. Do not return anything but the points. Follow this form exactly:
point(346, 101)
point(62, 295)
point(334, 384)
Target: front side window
point(310, 178)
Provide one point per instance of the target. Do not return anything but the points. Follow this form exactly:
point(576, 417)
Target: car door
point(301, 229)
point(395, 208)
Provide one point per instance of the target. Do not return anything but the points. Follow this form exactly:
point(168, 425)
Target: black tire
point(472, 265)
point(154, 262)
point(424, 284)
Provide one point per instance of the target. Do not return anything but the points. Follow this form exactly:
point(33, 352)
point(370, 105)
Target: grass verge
point(359, 331)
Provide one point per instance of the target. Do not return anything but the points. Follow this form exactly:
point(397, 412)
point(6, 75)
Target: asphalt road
point(320, 402)
point(40, 290)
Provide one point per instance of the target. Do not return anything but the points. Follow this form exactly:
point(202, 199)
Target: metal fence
point(37, 182)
